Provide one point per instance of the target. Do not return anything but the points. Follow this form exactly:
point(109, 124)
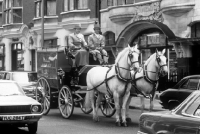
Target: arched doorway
point(151, 35)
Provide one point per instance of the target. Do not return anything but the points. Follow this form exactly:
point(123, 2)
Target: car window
point(193, 83)
point(190, 84)
point(185, 84)
point(194, 108)
point(32, 77)
point(7, 76)
point(2, 75)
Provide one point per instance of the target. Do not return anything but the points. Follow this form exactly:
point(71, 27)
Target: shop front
point(151, 36)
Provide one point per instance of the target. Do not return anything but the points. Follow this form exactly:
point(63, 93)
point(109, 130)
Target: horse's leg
point(124, 107)
point(128, 119)
point(89, 100)
point(142, 106)
point(151, 104)
point(98, 101)
point(117, 107)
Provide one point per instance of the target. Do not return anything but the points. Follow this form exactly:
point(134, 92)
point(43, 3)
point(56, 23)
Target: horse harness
point(146, 77)
point(118, 75)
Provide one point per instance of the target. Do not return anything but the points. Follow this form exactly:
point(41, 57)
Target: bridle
point(117, 67)
point(158, 62)
point(146, 77)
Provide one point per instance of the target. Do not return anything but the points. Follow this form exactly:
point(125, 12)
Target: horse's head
point(162, 62)
point(133, 57)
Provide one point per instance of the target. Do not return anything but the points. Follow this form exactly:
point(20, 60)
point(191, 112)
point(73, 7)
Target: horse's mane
point(121, 54)
point(150, 57)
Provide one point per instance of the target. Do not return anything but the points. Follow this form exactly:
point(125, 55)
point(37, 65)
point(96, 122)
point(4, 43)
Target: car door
point(187, 88)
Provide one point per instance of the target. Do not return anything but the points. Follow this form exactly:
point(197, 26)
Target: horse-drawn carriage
point(61, 85)
point(64, 86)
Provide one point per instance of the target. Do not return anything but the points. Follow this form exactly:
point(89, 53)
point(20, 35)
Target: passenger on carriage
point(96, 42)
point(78, 46)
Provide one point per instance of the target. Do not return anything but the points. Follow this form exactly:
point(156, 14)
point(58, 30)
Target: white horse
point(146, 80)
point(114, 81)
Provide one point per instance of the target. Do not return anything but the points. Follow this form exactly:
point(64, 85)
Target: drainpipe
point(42, 25)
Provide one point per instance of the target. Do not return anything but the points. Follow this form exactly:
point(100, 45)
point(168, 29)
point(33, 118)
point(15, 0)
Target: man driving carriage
point(78, 46)
point(96, 42)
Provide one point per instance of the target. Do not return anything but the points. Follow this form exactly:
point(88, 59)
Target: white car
point(18, 109)
point(26, 79)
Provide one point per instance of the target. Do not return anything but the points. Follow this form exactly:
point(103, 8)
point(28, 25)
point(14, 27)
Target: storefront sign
point(152, 40)
point(150, 11)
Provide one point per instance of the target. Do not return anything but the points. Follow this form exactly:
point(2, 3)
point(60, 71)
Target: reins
point(118, 74)
point(146, 77)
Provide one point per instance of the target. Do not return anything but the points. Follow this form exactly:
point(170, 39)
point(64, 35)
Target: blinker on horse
point(114, 81)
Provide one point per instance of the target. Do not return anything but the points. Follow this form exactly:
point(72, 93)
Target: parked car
point(26, 79)
point(172, 97)
point(184, 119)
point(18, 109)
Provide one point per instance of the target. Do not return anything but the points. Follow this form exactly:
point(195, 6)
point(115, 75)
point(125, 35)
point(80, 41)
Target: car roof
point(191, 76)
point(18, 71)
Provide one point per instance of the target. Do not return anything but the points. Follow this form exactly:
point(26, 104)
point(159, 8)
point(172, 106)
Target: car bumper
point(25, 119)
point(139, 132)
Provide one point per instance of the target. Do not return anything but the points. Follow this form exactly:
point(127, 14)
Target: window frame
point(8, 11)
point(74, 4)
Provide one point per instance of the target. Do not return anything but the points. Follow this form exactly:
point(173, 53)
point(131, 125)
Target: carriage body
point(56, 76)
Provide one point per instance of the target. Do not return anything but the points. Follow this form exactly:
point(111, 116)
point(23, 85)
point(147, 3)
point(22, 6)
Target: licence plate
point(13, 118)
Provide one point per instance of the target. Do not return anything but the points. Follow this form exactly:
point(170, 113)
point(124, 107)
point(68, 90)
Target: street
point(79, 123)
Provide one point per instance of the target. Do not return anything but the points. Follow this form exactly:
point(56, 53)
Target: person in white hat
point(78, 45)
point(96, 43)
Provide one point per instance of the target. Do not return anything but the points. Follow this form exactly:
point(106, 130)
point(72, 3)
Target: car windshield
point(8, 89)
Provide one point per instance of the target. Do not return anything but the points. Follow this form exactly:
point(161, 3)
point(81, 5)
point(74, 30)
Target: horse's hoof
point(124, 124)
point(128, 120)
point(118, 124)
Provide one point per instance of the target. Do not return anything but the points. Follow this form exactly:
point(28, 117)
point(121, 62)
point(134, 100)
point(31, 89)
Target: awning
point(178, 39)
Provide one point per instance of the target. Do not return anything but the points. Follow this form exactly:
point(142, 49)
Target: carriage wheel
point(43, 94)
point(108, 107)
point(66, 102)
point(85, 110)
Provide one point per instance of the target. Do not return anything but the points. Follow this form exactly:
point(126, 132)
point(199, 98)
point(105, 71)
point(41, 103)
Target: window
point(38, 9)
point(2, 57)
point(13, 11)
point(50, 7)
point(110, 38)
point(110, 3)
point(1, 13)
point(70, 5)
point(18, 56)
point(195, 30)
point(50, 43)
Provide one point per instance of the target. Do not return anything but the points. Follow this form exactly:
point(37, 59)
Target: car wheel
point(33, 127)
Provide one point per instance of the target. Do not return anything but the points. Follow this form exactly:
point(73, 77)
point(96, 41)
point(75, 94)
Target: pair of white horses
point(117, 81)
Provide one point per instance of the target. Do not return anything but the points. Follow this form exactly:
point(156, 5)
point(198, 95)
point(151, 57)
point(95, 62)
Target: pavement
point(136, 103)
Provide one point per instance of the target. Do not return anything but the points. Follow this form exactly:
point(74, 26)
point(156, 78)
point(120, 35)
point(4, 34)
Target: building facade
point(21, 28)
point(155, 24)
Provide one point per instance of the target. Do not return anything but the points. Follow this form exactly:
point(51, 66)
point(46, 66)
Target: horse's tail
point(89, 94)
point(88, 99)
